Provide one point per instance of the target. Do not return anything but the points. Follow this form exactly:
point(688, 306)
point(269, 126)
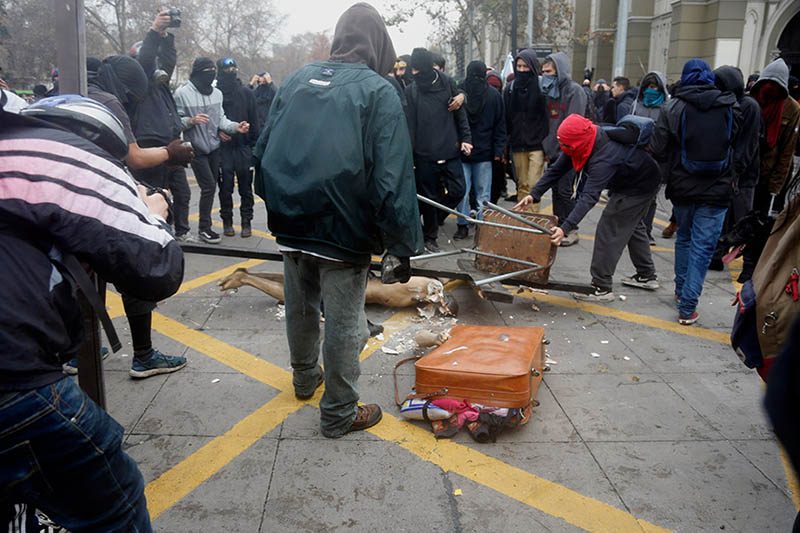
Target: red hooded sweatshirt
point(576, 136)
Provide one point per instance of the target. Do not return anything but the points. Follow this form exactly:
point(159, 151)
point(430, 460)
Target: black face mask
point(523, 78)
point(203, 80)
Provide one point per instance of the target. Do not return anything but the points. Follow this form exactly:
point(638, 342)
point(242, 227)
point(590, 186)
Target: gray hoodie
point(204, 137)
point(639, 109)
point(572, 99)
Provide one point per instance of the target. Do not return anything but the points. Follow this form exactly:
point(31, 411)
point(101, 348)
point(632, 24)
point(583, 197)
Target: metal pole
point(501, 257)
point(473, 220)
point(621, 41)
point(518, 218)
point(71, 46)
point(529, 33)
point(514, 9)
point(502, 277)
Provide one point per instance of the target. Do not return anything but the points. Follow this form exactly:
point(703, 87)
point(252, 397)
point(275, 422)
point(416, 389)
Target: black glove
point(395, 269)
point(180, 153)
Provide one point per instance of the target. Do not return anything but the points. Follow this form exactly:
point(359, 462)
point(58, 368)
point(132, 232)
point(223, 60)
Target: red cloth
point(576, 135)
point(771, 98)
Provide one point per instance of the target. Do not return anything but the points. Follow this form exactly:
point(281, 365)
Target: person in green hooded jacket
point(336, 173)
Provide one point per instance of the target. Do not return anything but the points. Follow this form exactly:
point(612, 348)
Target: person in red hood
point(632, 178)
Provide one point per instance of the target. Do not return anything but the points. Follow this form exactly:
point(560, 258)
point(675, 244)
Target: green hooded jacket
point(334, 165)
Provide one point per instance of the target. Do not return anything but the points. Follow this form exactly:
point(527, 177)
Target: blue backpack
point(706, 140)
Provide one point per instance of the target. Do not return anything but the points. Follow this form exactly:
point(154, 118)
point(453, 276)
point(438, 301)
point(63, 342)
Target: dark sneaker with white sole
point(688, 320)
point(158, 363)
point(210, 236)
point(641, 282)
point(598, 295)
point(70, 368)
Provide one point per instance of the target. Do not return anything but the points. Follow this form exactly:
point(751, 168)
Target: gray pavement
point(663, 426)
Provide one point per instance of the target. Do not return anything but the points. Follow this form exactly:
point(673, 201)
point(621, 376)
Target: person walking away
point(352, 196)
point(780, 114)
point(239, 105)
point(631, 176)
point(438, 137)
point(200, 107)
point(697, 130)
point(527, 122)
point(564, 97)
point(487, 125)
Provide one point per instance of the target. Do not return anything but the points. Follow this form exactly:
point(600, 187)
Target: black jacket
point(526, 131)
point(606, 168)
point(239, 103)
point(488, 129)
point(616, 108)
point(155, 119)
point(436, 133)
point(264, 94)
point(683, 187)
point(67, 198)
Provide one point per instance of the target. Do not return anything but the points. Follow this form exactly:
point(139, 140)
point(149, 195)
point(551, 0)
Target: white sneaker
point(640, 282)
point(599, 295)
point(570, 238)
point(187, 237)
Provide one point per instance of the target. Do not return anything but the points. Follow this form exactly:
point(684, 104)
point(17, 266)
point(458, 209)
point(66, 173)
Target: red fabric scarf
point(576, 135)
point(771, 98)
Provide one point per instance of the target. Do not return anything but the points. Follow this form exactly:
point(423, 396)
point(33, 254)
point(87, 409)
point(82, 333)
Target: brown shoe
point(670, 230)
point(366, 417)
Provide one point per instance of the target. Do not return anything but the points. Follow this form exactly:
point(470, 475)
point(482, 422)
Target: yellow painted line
point(529, 489)
point(627, 316)
point(791, 478)
point(177, 482)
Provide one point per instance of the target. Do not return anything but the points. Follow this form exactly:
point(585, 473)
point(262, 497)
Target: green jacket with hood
point(336, 168)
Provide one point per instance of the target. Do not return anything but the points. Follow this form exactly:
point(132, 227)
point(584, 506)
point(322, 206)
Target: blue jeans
point(342, 286)
point(61, 453)
point(699, 228)
point(478, 175)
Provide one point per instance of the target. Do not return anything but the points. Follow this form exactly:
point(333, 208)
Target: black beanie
point(202, 63)
point(421, 60)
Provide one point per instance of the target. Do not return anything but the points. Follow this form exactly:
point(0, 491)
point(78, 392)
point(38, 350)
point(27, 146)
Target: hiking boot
point(670, 230)
point(598, 295)
point(366, 417)
point(70, 368)
point(462, 232)
point(688, 320)
point(641, 282)
point(158, 363)
point(570, 239)
point(304, 397)
point(210, 236)
point(247, 231)
point(432, 247)
point(227, 229)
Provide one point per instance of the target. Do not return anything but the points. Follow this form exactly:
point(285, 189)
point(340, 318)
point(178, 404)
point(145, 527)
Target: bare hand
point(243, 127)
point(154, 202)
point(161, 22)
point(557, 235)
point(525, 202)
point(466, 148)
point(200, 118)
point(4, 85)
point(255, 80)
point(224, 137)
point(456, 102)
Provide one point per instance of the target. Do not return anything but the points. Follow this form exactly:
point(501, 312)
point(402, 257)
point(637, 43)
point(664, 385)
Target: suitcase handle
point(440, 392)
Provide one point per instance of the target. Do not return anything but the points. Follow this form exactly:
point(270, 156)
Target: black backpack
point(633, 131)
point(706, 140)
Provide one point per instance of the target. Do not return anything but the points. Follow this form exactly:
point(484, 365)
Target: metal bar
point(70, 46)
point(510, 275)
point(518, 217)
point(474, 220)
point(502, 257)
point(436, 255)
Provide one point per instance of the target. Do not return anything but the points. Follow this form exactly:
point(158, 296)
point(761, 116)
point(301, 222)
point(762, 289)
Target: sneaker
point(227, 229)
point(670, 230)
point(70, 368)
point(247, 231)
point(462, 232)
point(304, 397)
point(210, 236)
point(432, 247)
point(186, 237)
point(157, 364)
point(598, 295)
point(688, 320)
point(570, 239)
point(641, 282)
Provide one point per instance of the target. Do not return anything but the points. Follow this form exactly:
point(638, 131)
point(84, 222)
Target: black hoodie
point(239, 105)
point(526, 107)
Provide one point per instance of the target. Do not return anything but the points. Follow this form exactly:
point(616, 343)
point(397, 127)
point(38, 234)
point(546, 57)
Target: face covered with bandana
point(203, 74)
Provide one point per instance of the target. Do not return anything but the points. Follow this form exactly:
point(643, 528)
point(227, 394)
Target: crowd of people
point(110, 170)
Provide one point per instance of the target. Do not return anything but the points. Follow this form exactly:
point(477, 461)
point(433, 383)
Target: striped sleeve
point(89, 207)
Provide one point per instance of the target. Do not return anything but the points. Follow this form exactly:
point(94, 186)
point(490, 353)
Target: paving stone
point(765, 455)
point(694, 486)
point(156, 454)
point(127, 399)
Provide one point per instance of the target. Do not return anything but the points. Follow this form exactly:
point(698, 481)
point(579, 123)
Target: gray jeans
point(622, 224)
point(342, 286)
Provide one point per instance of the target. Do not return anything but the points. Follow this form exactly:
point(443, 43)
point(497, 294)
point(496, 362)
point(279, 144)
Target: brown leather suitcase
point(495, 366)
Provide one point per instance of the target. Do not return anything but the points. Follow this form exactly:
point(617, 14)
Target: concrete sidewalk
point(662, 429)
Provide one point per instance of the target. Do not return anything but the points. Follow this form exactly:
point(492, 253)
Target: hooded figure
point(265, 94)
point(648, 101)
point(426, 76)
point(121, 76)
point(493, 78)
point(203, 75)
point(336, 173)
point(476, 87)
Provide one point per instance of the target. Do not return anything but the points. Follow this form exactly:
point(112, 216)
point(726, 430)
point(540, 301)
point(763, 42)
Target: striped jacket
point(60, 194)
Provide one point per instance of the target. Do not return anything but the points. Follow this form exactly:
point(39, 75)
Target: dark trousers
point(621, 224)
point(741, 204)
point(752, 252)
point(498, 181)
point(174, 179)
point(236, 162)
point(206, 168)
point(61, 453)
point(443, 183)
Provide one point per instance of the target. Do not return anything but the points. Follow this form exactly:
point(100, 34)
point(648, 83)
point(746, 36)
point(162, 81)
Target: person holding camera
point(200, 107)
point(64, 203)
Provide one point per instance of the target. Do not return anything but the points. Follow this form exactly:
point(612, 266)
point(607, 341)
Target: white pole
point(621, 42)
point(529, 32)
